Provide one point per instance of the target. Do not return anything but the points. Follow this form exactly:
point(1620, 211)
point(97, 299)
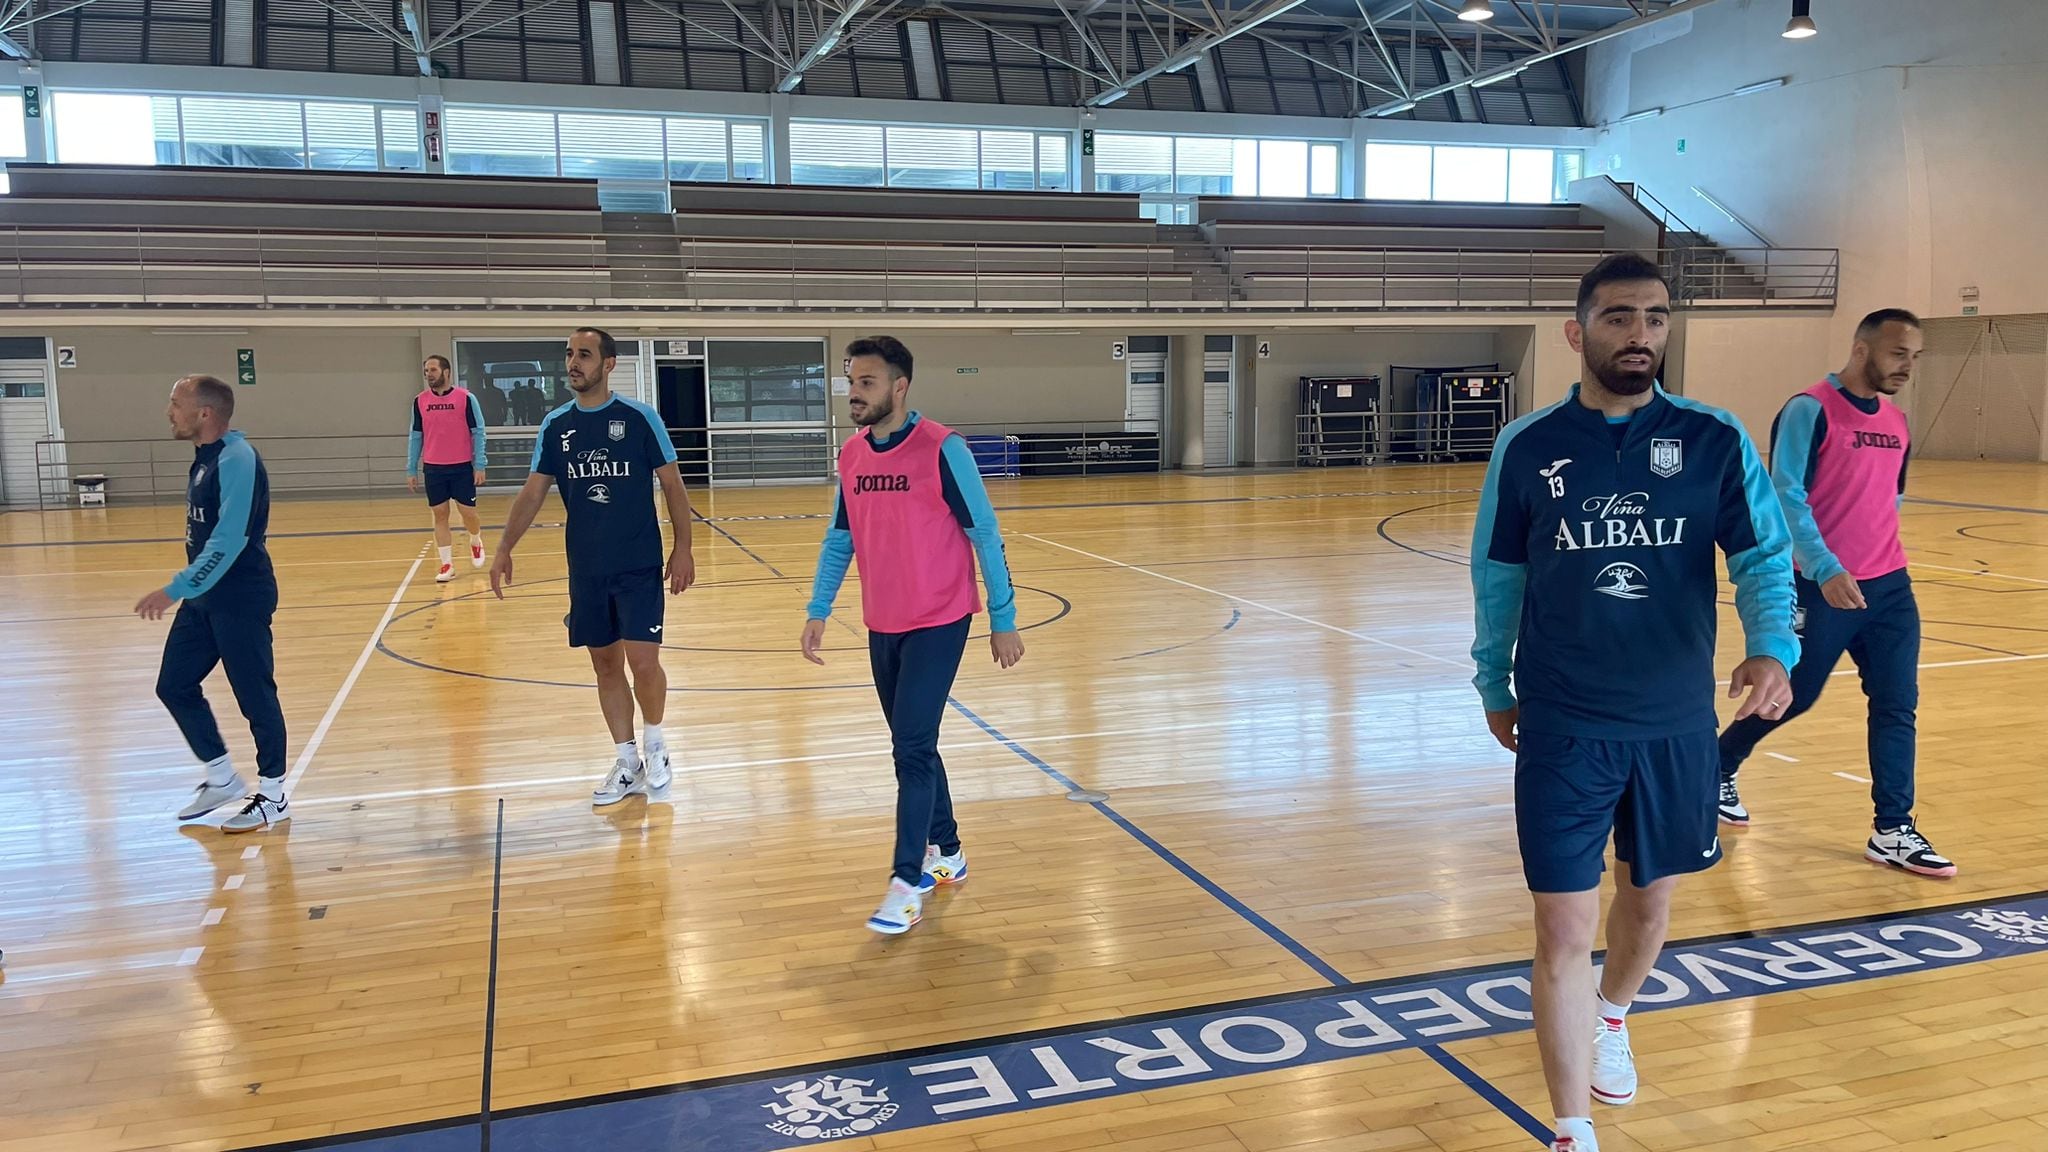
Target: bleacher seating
point(102, 236)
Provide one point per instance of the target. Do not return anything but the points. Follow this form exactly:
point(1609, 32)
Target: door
point(1979, 391)
point(1219, 402)
point(679, 397)
point(1145, 385)
point(24, 419)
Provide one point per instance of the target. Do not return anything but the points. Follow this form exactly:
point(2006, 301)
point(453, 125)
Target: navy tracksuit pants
point(235, 633)
point(1884, 641)
point(914, 674)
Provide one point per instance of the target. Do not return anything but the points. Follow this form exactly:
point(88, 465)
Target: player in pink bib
point(1838, 459)
point(447, 442)
point(912, 512)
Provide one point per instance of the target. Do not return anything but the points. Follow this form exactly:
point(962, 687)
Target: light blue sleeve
point(235, 472)
point(1500, 576)
point(477, 455)
point(1791, 457)
point(1764, 594)
point(544, 460)
point(984, 533)
point(833, 560)
point(662, 443)
point(412, 453)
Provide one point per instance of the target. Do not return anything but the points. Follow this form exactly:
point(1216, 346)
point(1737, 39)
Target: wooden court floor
point(1267, 676)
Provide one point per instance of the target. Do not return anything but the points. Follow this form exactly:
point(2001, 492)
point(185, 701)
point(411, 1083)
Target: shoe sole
point(596, 803)
point(891, 929)
point(255, 827)
point(191, 815)
point(1915, 869)
point(1733, 822)
point(448, 579)
point(1613, 1101)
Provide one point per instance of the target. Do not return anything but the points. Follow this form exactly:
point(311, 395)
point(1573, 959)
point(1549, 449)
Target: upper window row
point(908, 156)
point(1215, 166)
point(1463, 172)
point(233, 132)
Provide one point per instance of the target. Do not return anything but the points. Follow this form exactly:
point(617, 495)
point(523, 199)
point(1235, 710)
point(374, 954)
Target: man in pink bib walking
point(1838, 460)
point(912, 512)
point(447, 441)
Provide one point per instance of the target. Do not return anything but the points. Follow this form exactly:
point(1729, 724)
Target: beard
point(1626, 381)
point(1881, 383)
point(584, 383)
point(874, 413)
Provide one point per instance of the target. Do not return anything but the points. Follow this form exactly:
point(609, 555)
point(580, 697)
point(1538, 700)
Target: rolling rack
point(1462, 413)
point(1338, 418)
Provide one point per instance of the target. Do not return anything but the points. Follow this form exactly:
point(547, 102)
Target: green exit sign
point(32, 101)
point(966, 371)
point(245, 366)
point(1087, 141)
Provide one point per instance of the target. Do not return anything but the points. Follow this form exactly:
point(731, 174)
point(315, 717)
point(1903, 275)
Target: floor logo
point(2011, 926)
point(830, 1108)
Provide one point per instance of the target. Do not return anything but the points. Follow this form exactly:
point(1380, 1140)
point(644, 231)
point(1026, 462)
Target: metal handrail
point(771, 453)
point(1738, 221)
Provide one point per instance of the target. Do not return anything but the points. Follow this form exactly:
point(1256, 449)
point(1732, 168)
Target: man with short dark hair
point(912, 510)
point(226, 597)
point(1838, 458)
point(447, 439)
point(1594, 577)
point(606, 453)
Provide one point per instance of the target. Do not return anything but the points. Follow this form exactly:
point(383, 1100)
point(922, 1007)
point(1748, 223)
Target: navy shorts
point(1657, 797)
point(447, 482)
point(627, 606)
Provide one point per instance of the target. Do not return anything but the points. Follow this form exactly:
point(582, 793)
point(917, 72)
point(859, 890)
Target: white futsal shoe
point(900, 910)
point(654, 767)
point(207, 797)
point(1614, 1063)
point(624, 780)
point(260, 812)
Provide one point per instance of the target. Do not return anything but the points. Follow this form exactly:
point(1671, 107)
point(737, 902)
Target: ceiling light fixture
point(1392, 109)
point(1801, 25)
point(1476, 11)
point(1759, 86)
point(1497, 77)
point(1645, 114)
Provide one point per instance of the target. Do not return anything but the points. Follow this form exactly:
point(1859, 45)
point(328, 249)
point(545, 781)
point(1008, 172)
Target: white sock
point(445, 550)
point(220, 772)
point(1577, 1127)
point(654, 739)
point(272, 787)
point(630, 753)
point(1610, 1010)
point(475, 541)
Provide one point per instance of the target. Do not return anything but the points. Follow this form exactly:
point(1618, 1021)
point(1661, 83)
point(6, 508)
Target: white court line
point(1461, 666)
point(291, 778)
point(213, 916)
point(870, 752)
point(233, 882)
point(252, 851)
point(190, 956)
point(1979, 572)
point(1851, 776)
point(1782, 756)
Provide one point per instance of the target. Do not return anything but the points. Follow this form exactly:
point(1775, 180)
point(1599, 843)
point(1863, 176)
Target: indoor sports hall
point(1231, 304)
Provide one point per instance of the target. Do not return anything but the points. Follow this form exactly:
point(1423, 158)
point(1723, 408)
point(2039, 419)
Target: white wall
point(1296, 353)
point(1908, 134)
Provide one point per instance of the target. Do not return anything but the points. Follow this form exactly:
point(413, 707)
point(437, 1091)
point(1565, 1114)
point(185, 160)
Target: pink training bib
point(916, 566)
point(444, 427)
point(1855, 489)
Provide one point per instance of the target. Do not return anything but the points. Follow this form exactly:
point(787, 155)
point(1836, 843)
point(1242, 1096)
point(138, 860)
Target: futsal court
point(1294, 919)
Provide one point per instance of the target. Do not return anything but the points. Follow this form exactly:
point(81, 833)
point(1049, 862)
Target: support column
point(433, 129)
point(778, 138)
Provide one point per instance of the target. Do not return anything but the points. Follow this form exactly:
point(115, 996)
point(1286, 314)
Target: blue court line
point(1300, 951)
point(1235, 616)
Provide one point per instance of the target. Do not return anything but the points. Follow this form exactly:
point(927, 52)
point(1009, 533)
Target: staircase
point(1197, 258)
point(645, 258)
point(1701, 269)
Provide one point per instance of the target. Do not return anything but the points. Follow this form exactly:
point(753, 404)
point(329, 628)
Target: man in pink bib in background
point(447, 441)
point(1838, 460)
point(911, 510)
